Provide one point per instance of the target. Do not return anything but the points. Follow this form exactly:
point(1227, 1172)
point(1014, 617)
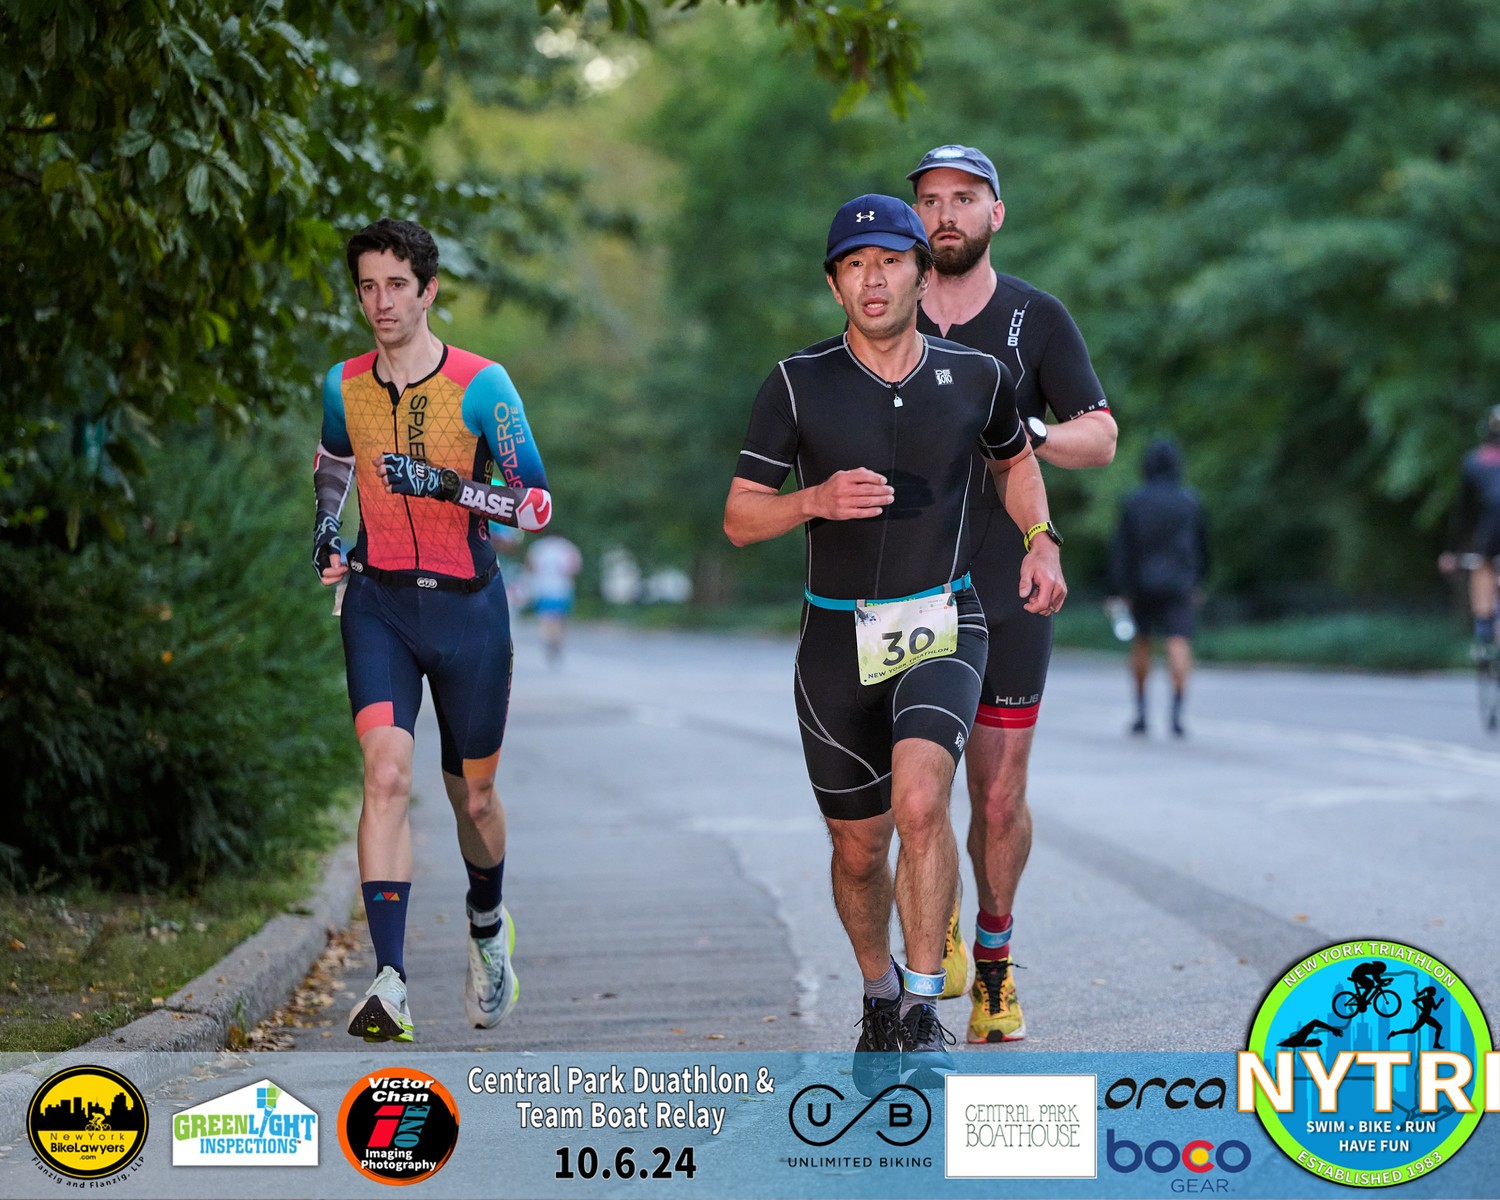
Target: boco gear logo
point(1198, 1156)
point(1369, 1064)
point(87, 1123)
point(398, 1125)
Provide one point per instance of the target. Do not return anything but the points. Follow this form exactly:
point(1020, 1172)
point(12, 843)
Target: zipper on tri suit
point(411, 528)
point(885, 524)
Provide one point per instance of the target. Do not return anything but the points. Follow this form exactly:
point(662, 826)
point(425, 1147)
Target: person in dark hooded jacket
point(1160, 558)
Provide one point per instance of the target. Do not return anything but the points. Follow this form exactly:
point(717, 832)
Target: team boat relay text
point(599, 1087)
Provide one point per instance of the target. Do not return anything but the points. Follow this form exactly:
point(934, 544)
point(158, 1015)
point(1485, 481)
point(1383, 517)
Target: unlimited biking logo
point(1369, 1063)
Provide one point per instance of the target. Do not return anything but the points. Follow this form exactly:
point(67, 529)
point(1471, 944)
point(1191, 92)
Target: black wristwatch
point(448, 484)
point(1046, 527)
point(1036, 430)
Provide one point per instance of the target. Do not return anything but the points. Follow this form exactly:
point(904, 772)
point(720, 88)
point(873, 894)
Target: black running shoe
point(925, 1060)
point(877, 1054)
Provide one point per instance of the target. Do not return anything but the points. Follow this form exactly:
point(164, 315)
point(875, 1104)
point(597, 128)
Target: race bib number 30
point(893, 635)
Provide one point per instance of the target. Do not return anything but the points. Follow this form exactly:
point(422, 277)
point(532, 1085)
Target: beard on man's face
point(957, 259)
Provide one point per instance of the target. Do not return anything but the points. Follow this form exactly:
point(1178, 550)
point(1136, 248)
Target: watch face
point(1038, 428)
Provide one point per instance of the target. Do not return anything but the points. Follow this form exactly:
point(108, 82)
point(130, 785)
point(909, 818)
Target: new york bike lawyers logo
point(398, 1125)
point(1369, 1063)
point(87, 1123)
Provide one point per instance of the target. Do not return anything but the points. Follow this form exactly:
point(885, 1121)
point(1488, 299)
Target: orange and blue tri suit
point(417, 602)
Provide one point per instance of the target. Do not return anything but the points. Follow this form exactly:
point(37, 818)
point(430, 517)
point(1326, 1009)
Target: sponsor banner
point(1013, 1122)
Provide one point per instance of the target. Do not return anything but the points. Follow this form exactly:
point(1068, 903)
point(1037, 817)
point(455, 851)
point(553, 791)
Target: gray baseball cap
point(959, 158)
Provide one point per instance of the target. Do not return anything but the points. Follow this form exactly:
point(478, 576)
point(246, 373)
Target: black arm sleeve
point(770, 445)
point(1003, 437)
point(1065, 375)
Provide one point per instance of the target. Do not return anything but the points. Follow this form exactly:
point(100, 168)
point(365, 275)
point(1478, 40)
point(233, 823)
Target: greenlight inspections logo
point(1369, 1063)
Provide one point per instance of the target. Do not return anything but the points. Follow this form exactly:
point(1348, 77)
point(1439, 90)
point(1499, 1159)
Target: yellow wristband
point(1032, 532)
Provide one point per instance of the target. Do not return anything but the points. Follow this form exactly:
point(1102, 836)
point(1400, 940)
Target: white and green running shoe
point(492, 989)
point(382, 1014)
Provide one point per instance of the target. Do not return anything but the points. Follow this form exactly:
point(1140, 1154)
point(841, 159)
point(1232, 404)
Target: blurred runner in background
point(1160, 560)
point(552, 566)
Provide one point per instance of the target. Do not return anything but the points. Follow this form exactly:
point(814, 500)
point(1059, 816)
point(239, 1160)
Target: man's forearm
point(1019, 485)
point(759, 516)
point(528, 509)
point(1086, 441)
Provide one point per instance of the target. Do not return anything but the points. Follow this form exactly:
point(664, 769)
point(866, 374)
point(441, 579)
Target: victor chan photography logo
point(258, 1125)
point(1022, 1126)
point(398, 1125)
point(87, 1123)
point(1369, 1063)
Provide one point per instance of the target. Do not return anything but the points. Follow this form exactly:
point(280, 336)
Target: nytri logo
point(901, 1113)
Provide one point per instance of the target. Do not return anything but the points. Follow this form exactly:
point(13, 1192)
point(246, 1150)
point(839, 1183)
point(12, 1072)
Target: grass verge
point(79, 964)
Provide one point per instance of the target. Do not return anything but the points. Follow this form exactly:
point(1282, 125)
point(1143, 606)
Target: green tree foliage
point(1271, 220)
point(1307, 249)
point(177, 182)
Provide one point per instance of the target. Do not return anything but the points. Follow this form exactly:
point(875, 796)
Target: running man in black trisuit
point(1031, 333)
point(880, 425)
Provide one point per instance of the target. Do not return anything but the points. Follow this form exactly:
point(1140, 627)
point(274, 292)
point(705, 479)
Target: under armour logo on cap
point(873, 220)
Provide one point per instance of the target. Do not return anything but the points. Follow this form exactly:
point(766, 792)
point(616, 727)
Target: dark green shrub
point(172, 704)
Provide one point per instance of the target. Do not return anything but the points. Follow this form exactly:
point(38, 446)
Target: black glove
point(410, 476)
point(326, 542)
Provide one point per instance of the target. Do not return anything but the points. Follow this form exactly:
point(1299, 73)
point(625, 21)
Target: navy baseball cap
point(959, 158)
point(874, 220)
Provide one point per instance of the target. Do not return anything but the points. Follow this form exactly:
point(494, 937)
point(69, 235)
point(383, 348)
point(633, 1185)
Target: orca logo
point(1178, 1094)
point(426, 581)
point(903, 1110)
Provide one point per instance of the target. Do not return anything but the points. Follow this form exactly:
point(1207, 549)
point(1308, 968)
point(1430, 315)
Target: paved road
point(668, 872)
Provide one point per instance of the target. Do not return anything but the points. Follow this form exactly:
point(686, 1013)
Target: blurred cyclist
point(1476, 528)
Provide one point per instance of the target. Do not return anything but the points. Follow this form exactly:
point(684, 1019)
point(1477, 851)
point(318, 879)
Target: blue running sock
point(484, 898)
point(385, 911)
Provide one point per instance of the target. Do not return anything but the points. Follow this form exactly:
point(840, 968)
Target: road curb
point(244, 987)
